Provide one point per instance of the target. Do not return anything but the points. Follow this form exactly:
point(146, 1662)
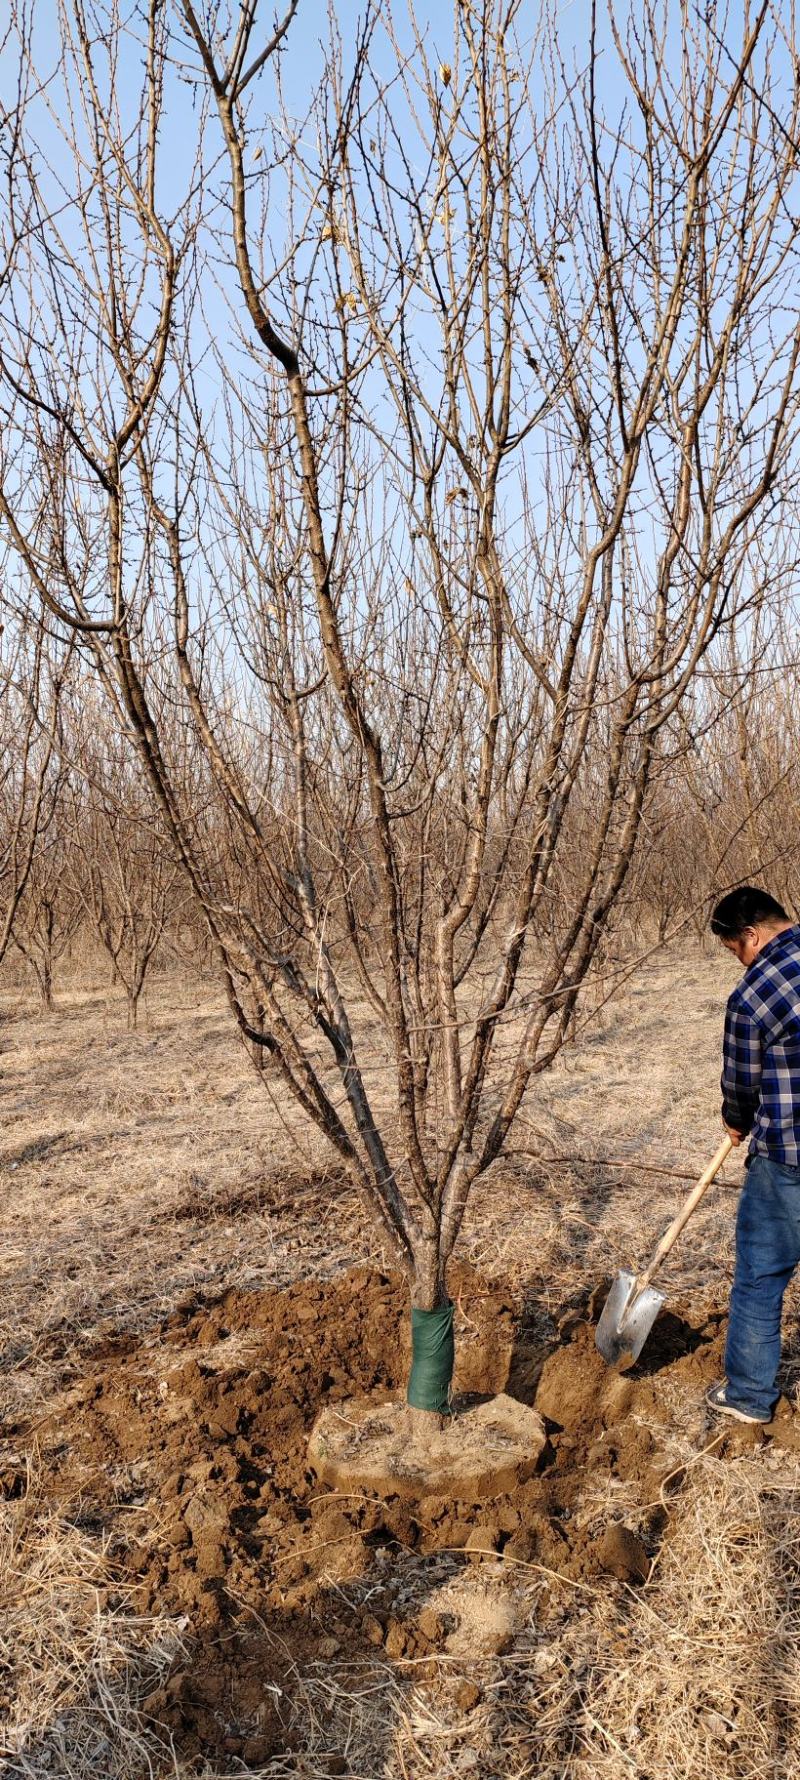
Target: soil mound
point(204, 1426)
point(487, 1447)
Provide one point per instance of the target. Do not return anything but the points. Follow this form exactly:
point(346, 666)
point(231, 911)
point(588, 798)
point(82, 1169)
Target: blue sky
point(300, 68)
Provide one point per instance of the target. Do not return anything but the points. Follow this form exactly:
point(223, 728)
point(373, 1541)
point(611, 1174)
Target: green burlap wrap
point(432, 1359)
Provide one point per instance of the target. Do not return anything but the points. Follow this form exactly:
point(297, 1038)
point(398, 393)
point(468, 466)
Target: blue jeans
point(767, 1253)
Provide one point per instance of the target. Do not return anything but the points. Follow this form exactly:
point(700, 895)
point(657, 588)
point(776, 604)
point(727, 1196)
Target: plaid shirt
point(761, 1051)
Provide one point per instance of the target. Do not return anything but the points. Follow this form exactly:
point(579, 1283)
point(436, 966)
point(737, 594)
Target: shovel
point(633, 1304)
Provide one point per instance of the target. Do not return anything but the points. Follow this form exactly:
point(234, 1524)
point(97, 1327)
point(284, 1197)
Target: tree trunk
point(428, 1293)
point(44, 977)
point(428, 1290)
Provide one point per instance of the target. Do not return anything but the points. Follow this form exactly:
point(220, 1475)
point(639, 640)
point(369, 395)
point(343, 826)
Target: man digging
point(761, 1096)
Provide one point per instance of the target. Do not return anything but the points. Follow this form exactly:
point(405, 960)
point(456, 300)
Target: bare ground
point(185, 1279)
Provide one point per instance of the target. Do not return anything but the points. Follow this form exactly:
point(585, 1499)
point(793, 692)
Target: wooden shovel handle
point(689, 1205)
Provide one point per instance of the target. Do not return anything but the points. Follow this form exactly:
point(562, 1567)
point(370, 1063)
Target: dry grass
point(693, 1677)
point(74, 1662)
point(703, 1676)
point(136, 1167)
point(698, 1676)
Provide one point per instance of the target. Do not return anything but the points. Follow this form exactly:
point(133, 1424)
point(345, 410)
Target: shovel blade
point(628, 1316)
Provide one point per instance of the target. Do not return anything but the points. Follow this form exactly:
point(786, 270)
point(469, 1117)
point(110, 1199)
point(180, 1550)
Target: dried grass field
point(186, 1278)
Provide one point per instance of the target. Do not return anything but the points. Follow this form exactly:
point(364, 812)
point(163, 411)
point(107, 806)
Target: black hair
point(745, 907)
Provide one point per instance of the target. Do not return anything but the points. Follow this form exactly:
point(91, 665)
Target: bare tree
point(38, 914)
point(49, 912)
point(122, 868)
point(495, 468)
point(636, 351)
point(30, 692)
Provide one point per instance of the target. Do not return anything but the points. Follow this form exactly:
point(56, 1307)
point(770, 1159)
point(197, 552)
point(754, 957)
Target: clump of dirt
point(604, 1418)
point(205, 1426)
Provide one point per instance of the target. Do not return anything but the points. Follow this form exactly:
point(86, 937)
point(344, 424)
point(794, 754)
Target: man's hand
point(735, 1136)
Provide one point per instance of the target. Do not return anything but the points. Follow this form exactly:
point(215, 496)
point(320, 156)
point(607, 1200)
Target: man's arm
point(741, 1071)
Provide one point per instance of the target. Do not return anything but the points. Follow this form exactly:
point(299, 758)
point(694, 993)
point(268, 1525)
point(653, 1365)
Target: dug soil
point(199, 1434)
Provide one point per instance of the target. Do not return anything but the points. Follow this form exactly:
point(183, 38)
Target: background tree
point(49, 912)
point(30, 691)
point(122, 869)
